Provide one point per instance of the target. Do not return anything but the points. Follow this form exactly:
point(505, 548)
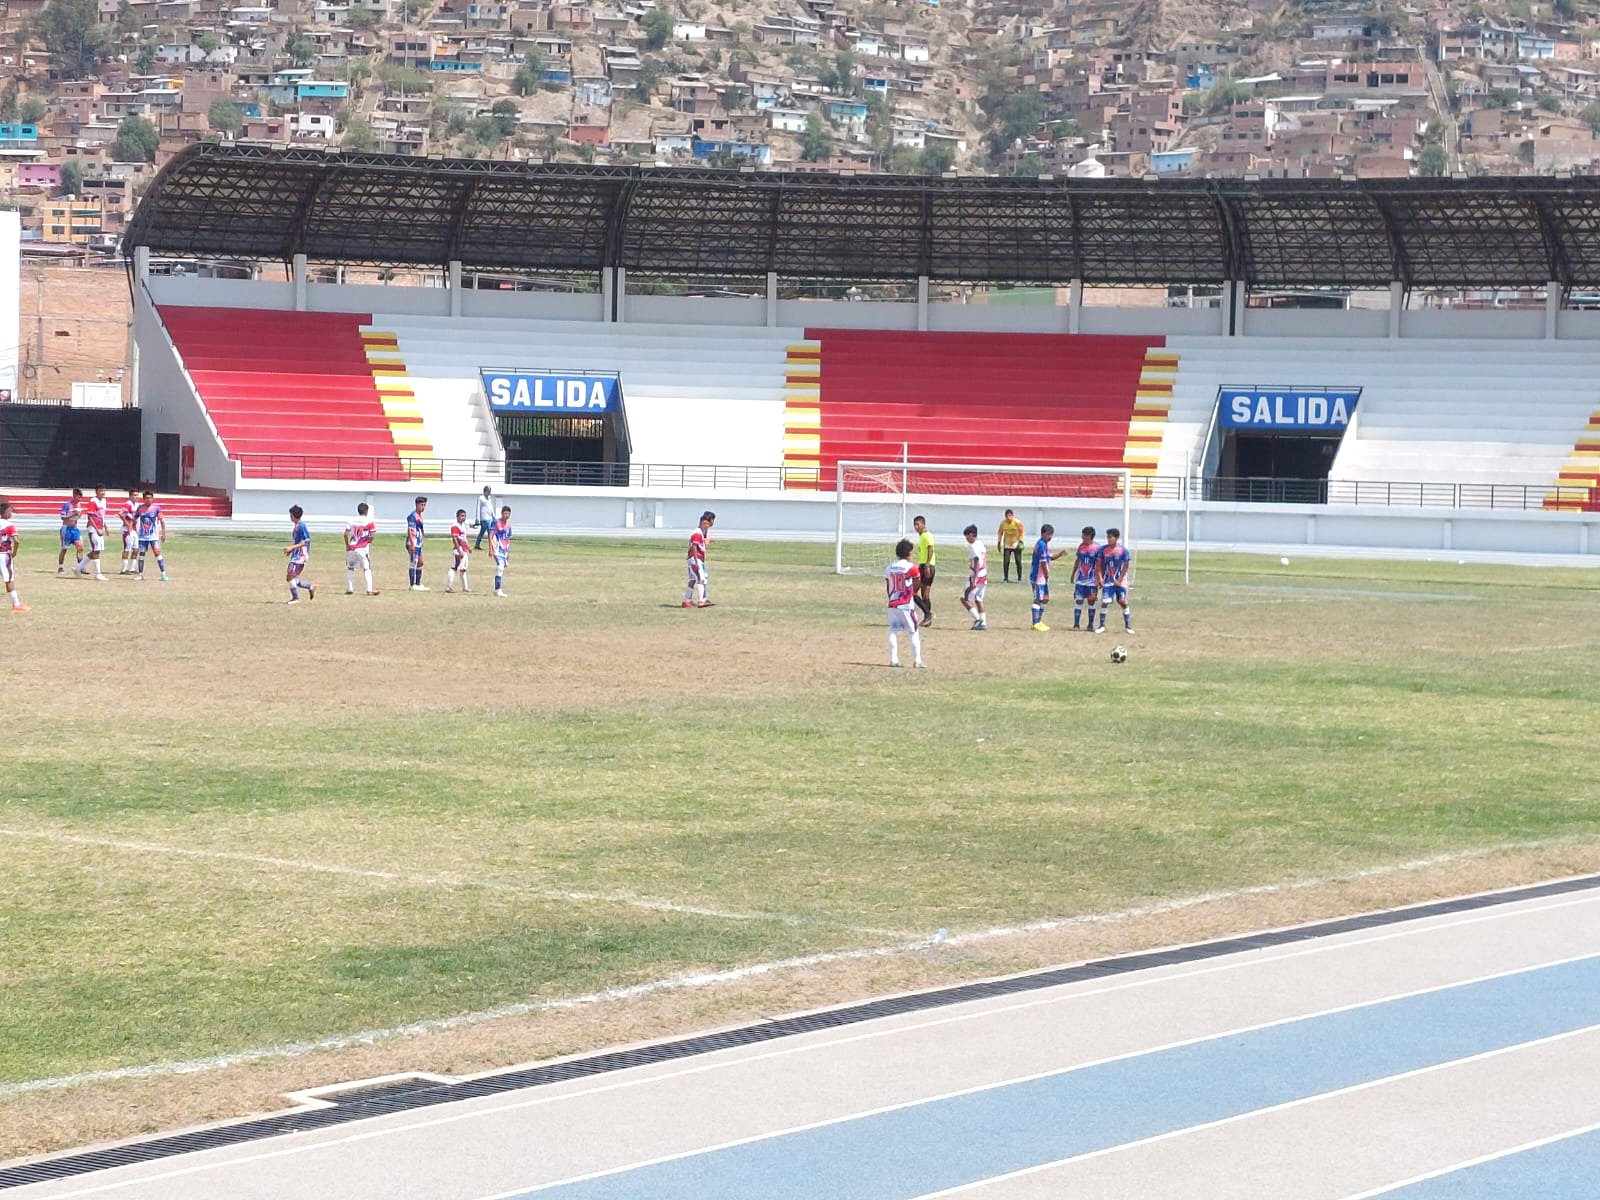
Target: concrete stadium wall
point(839, 314)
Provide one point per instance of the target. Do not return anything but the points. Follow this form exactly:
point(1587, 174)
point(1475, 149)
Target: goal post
point(874, 502)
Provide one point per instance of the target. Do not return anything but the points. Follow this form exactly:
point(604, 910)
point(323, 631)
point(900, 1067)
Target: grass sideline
point(431, 776)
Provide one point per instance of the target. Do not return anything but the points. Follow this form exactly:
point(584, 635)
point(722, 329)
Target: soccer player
point(500, 543)
point(299, 553)
point(1085, 577)
point(1039, 574)
point(925, 568)
point(358, 537)
point(977, 578)
point(485, 516)
point(414, 538)
point(152, 530)
point(10, 543)
point(697, 593)
point(94, 509)
point(70, 535)
point(130, 533)
point(1009, 541)
point(460, 554)
point(900, 582)
point(1115, 559)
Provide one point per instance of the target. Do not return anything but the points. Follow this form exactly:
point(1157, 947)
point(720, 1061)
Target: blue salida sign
point(1287, 410)
point(538, 391)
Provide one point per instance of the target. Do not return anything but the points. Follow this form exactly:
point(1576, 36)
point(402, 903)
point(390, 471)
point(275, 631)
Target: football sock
point(497, 581)
point(1127, 618)
point(162, 563)
point(1038, 614)
point(449, 579)
point(366, 573)
point(916, 646)
point(16, 601)
point(894, 647)
point(1077, 612)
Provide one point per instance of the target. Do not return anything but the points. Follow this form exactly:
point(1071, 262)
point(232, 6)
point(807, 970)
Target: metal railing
point(715, 477)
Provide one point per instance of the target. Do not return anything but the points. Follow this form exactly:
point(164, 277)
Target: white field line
point(683, 982)
point(444, 881)
point(1481, 1160)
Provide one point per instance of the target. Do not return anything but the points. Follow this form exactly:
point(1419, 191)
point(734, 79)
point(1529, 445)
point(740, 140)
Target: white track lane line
point(1552, 1140)
point(740, 1060)
point(1354, 1089)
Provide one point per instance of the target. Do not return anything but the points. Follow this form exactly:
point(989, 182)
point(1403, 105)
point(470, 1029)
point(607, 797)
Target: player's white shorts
point(5, 567)
point(462, 560)
point(697, 571)
point(97, 541)
point(975, 591)
point(500, 560)
point(904, 617)
point(130, 541)
point(358, 560)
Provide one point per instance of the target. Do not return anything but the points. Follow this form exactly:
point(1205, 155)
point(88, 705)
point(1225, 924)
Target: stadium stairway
point(1448, 412)
point(296, 385)
point(48, 504)
point(976, 398)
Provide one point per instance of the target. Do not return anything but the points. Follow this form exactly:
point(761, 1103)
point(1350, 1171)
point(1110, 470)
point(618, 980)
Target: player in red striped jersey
point(697, 593)
point(460, 554)
point(9, 544)
point(358, 537)
point(900, 580)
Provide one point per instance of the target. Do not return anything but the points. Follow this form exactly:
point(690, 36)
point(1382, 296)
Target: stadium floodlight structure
point(874, 499)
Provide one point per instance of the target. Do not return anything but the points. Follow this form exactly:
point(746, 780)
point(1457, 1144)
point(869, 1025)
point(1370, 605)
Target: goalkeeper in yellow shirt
point(1009, 542)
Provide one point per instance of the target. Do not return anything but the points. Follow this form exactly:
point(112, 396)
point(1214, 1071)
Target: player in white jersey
point(977, 579)
point(460, 554)
point(130, 534)
point(696, 594)
point(900, 580)
point(358, 537)
point(94, 511)
point(9, 543)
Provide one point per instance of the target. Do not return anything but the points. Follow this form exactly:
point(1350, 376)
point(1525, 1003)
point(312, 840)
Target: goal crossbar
point(897, 478)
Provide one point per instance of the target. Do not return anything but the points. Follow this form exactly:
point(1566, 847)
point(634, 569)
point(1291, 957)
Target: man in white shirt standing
point(977, 579)
point(486, 515)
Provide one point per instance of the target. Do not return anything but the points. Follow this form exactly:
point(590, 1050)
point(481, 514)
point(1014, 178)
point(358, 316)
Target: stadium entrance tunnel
point(1277, 445)
point(561, 427)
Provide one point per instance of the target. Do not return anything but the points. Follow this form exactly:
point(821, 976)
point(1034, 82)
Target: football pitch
point(229, 826)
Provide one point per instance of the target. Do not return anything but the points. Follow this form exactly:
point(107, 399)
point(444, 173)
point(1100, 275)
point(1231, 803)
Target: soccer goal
point(877, 501)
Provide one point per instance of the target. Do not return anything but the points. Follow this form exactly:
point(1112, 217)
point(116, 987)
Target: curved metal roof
point(253, 202)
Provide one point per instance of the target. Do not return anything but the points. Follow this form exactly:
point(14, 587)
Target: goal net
point(877, 501)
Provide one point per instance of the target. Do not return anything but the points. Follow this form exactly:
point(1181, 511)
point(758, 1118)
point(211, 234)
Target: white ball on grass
point(1283, 562)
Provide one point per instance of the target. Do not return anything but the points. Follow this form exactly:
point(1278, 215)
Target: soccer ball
point(1119, 654)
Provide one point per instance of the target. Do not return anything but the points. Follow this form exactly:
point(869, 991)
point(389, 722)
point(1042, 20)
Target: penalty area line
point(734, 975)
point(444, 881)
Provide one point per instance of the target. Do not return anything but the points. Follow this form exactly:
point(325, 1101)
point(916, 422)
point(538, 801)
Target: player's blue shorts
point(1115, 591)
point(1041, 592)
point(501, 557)
point(149, 544)
point(1084, 591)
point(71, 535)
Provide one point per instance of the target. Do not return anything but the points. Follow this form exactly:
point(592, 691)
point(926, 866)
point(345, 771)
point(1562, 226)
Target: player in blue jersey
point(414, 538)
point(1039, 576)
point(151, 527)
point(1115, 559)
point(500, 543)
point(299, 554)
point(1085, 577)
point(71, 536)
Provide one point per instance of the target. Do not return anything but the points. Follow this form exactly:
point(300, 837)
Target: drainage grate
point(421, 1093)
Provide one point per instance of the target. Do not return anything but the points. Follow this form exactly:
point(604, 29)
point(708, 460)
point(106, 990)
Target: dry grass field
point(257, 839)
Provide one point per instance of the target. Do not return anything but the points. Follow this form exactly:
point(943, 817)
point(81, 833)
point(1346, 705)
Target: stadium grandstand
point(612, 381)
